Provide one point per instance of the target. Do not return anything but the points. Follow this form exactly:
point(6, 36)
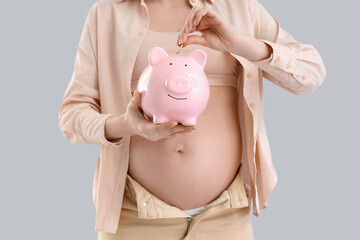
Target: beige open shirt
point(100, 88)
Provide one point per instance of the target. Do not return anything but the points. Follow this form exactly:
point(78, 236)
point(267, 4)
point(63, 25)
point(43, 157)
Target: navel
point(180, 149)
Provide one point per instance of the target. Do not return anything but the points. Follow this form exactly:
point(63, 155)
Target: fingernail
point(180, 41)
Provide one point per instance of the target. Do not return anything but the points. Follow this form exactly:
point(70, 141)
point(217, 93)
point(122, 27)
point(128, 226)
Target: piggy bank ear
point(156, 54)
point(199, 56)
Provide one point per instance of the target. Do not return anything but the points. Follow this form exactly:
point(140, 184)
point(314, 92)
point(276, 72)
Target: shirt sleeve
point(297, 67)
point(80, 117)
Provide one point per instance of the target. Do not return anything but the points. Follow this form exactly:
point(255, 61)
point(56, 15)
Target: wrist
point(250, 48)
point(116, 128)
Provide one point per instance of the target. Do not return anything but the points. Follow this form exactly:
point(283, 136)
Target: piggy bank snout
point(178, 84)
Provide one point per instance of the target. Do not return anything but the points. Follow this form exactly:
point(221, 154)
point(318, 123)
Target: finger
point(199, 15)
point(167, 125)
point(174, 133)
point(136, 103)
point(211, 19)
point(181, 127)
point(145, 116)
point(195, 39)
point(188, 25)
point(206, 11)
point(136, 98)
point(190, 19)
point(180, 131)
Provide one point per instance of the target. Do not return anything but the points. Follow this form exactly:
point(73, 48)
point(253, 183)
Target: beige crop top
point(221, 68)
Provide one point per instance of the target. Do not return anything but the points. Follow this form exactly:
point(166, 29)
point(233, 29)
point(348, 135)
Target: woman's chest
point(169, 18)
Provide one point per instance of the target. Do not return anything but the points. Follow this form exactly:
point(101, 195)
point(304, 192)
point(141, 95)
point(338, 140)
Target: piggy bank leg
point(158, 119)
point(189, 122)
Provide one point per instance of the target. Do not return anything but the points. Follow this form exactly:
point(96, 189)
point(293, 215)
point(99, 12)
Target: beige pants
point(222, 219)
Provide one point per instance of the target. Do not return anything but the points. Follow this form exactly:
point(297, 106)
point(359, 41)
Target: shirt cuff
point(283, 58)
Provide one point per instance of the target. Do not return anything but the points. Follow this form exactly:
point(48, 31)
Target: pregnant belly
point(188, 170)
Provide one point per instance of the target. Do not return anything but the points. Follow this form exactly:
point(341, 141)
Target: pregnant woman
point(169, 181)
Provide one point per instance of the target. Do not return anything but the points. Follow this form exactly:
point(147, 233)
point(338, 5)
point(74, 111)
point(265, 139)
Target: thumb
point(194, 39)
point(169, 124)
point(136, 98)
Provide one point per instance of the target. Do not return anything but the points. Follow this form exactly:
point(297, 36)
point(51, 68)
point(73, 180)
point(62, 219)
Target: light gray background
point(46, 181)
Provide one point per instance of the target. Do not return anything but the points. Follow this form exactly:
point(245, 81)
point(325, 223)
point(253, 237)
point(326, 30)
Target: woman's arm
point(80, 119)
point(292, 65)
point(251, 48)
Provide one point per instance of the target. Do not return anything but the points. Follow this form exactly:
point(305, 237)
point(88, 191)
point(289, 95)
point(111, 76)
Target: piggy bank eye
point(170, 63)
point(185, 65)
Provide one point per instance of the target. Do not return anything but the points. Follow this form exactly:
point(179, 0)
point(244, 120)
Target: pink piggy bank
point(174, 88)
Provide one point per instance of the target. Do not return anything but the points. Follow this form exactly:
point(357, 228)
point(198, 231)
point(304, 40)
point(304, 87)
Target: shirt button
point(277, 59)
point(252, 105)
point(303, 77)
point(249, 75)
point(144, 204)
point(288, 65)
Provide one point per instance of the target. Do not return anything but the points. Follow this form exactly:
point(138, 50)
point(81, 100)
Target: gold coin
point(179, 48)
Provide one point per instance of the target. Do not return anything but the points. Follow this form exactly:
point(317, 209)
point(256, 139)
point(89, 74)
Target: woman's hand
point(137, 124)
point(217, 33)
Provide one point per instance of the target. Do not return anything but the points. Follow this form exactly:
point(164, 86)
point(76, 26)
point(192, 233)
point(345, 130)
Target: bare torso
point(188, 170)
